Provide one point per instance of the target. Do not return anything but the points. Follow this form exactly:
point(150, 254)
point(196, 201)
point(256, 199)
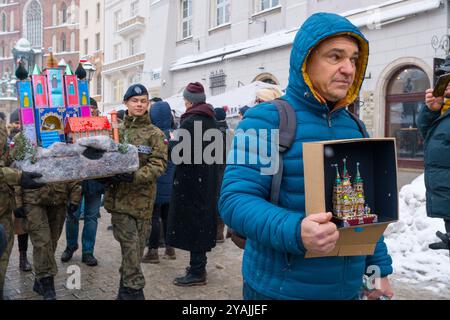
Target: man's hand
point(319, 235)
point(433, 103)
point(27, 180)
point(71, 210)
point(20, 213)
point(384, 290)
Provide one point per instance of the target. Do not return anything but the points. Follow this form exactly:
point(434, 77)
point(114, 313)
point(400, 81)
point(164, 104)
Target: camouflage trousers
point(132, 234)
point(7, 222)
point(44, 224)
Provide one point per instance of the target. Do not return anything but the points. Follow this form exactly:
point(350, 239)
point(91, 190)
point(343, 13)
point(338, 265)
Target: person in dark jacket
point(161, 116)
point(434, 125)
point(89, 209)
point(192, 222)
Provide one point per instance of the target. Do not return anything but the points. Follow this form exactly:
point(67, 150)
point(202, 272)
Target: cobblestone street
point(101, 282)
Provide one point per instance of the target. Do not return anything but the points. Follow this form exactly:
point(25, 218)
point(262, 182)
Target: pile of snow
point(408, 240)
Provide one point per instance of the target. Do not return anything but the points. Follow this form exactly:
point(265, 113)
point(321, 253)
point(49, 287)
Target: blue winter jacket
point(273, 262)
point(161, 116)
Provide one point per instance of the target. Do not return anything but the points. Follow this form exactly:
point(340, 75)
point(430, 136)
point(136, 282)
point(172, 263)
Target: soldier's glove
point(123, 177)
point(27, 180)
point(93, 154)
point(20, 213)
point(71, 210)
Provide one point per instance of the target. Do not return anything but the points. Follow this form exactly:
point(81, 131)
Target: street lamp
point(90, 69)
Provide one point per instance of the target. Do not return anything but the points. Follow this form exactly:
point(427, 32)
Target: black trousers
point(159, 211)
point(23, 242)
point(198, 263)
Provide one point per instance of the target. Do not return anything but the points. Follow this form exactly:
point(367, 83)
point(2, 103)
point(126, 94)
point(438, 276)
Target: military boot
point(24, 264)
point(48, 288)
point(191, 279)
point(151, 256)
point(130, 294)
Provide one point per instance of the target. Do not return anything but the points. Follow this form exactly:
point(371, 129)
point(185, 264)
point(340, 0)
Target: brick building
point(44, 23)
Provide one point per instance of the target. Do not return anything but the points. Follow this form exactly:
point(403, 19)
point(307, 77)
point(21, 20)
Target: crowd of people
point(189, 204)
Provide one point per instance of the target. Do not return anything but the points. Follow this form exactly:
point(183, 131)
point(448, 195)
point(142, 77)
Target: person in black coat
point(192, 222)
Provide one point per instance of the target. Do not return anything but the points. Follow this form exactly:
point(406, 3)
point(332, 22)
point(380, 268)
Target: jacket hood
point(161, 115)
point(317, 28)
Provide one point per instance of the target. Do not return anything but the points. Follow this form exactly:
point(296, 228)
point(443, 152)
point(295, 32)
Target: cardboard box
point(378, 167)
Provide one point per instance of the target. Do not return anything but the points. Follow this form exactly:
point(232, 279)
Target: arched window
point(63, 13)
point(4, 22)
point(33, 24)
point(405, 98)
point(3, 50)
point(63, 43)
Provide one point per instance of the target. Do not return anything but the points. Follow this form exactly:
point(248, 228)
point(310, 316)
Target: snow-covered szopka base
point(63, 162)
point(408, 241)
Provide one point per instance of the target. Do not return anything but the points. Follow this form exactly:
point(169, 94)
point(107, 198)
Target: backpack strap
point(287, 130)
point(359, 123)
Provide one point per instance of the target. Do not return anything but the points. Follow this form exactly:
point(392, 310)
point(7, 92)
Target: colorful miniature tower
point(358, 186)
point(337, 194)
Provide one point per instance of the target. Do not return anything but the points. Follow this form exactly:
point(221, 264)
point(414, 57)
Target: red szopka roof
point(76, 124)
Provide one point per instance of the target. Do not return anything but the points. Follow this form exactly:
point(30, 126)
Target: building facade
point(126, 23)
point(228, 43)
point(91, 42)
point(34, 26)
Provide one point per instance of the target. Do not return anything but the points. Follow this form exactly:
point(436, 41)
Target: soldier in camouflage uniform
point(130, 197)
point(8, 178)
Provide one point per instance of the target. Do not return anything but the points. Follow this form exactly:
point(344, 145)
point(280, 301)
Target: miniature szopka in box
point(349, 203)
point(59, 138)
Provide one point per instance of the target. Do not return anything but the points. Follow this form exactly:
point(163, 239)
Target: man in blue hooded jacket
point(328, 63)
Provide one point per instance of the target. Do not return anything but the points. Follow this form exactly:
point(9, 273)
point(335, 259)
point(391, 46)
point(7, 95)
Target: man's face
point(94, 112)
point(447, 91)
point(137, 106)
point(332, 67)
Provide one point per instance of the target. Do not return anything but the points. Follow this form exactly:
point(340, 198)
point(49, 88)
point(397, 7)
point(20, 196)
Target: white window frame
point(271, 4)
point(186, 20)
point(134, 45)
point(134, 8)
point(117, 51)
point(222, 7)
point(98, 41)
point(117, 19)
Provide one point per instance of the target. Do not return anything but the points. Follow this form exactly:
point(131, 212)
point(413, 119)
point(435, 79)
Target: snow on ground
point(408, 240)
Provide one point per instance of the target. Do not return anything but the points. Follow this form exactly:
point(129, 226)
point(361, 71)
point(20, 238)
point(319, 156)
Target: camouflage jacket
point(8, 177)
point(137, 198)
point(52, 194)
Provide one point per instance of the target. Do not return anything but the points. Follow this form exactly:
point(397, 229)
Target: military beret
point(135, 90)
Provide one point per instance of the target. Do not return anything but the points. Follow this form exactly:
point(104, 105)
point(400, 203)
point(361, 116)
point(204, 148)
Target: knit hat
point(194, 93)
point(243, 110)
point(220, 114)
point(135, 90)
point(268, 94)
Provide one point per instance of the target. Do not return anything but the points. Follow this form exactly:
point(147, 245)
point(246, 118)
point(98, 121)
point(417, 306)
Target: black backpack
point(287, 130)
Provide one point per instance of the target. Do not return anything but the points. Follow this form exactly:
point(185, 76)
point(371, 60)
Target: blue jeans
point(90, 205)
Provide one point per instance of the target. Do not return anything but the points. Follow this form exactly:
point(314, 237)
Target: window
point(97, 41)
point(117, 19)
point(134, 9)
point(54, 15)
point(134, 46)
point(86, 18)
point(98, 11)
point(63, 13)
point(86, 46)
point(222, 12)
point(3, 50)
point(63, 43)
point(72, 42)
point(33, 18)
point(267, 4)
point(99, 85)
point(117, 51)
point(118, 89)
point(186, 21)
point(217, 81)
point(11, 22)
point(404, 100)
point(3, 22)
